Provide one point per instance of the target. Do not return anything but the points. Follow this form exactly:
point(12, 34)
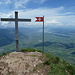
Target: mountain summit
point(34, 62)
point(19, 63)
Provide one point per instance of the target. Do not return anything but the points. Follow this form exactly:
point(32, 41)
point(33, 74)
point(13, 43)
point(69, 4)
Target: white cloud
point(42, 1)
point(19, 3)
point(1, 3)
point(23, 3)
point(8, 2)
point(5, 2)
point(52, 16)
point(39, 1)
point(52, 21)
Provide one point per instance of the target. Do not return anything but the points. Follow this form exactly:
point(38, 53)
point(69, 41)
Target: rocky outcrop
point(19, 63)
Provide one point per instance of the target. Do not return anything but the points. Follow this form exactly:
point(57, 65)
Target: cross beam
point(16, 26)
point(11, 19)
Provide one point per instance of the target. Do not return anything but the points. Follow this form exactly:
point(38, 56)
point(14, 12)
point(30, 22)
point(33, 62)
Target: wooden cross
point(16, 26)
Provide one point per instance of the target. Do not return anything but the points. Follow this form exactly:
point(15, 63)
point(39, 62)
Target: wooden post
point(16, 31)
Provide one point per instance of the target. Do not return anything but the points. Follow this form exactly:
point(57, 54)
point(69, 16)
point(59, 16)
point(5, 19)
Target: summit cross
point(16, 26)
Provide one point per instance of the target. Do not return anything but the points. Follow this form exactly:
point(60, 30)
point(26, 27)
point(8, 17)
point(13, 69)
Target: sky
point(56, 12)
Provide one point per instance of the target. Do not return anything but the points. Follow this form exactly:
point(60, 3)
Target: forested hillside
point(6, 37)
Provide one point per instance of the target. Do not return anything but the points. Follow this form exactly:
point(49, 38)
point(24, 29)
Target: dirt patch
point(19, 63)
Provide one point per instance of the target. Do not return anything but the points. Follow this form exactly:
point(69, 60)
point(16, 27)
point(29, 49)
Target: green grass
point(4, 53)
point(58, 66)
point(30, 50)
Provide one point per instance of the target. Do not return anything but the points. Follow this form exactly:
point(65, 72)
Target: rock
point(19, 63)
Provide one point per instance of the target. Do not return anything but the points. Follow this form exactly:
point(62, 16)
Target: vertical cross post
point(16, 31)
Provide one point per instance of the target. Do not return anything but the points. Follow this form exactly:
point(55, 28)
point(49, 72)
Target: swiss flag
point(39, 19)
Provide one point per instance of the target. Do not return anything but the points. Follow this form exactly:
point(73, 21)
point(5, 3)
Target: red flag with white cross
point(39, 19)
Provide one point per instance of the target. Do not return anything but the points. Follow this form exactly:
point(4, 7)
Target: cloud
point(8, 2)
point(18, 4)
point(39, 1)
point(42, 1)
point(52, 21)
point(1, 3)
point(5, 2)
point(21, 3)
point(52, 16)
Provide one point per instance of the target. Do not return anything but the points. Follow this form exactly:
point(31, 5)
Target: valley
point(58, 41)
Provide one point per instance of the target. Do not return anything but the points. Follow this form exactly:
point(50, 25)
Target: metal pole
point(43, 35)
point(16, 30)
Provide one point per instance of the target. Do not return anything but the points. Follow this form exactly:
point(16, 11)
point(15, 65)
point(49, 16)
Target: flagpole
point(43, 36)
